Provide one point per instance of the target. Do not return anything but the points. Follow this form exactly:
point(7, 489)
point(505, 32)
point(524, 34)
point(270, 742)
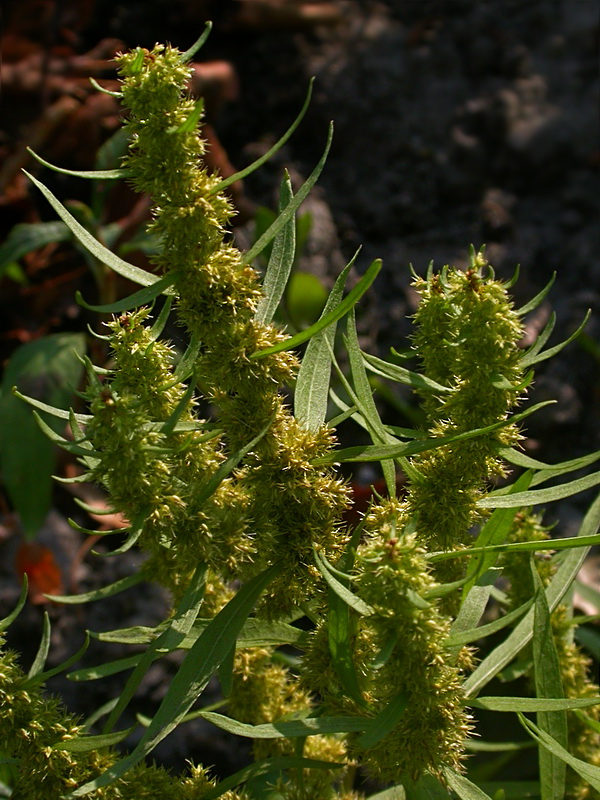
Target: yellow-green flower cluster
point(397, 652)
point(155, 478)
point(286, 503)
point(32, 728)
point(467, 335)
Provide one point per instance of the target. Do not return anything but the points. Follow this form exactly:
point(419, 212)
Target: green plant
point(49, 368)
point(241, 517)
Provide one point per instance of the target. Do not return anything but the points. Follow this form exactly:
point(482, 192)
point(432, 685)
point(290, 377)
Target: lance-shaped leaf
point(237, 176)
point(352, 600)
point(289, 729)
point(529, 359)
point(333, 316)
point(535, 497)
point(311, 393)
point(381, 452)
point(523, 632)
point(201, 662)
point(281, 260)
point(94, 174)
point(10, 618)
point(288, 212)
point(589, 772)
point(84, 744)
point(170, 639)
point(463, 787)
point(99, 594)
point(135, 300)
point(548, 683)
point(384, 722)
point(91, 244)
point(529, 705)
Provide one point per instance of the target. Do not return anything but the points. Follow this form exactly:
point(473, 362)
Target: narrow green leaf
point(271, 765)
point(289, 729)
point(159, 323)
point(98, 594)
point(519, 547)
point(476, 746)
point(281, 260)
point(199, 665)
point(347, 303)
point(589, 593)
point(98, 250)
point(137, 526)
point(381, 452)
point(547, 470)
point(393, 793)
point(95, 174)
point(99, 88)
point(170, 639)
point(340, 590)
point(198, 44)
point(238, 176)
point(588, 772)
point(291, 207)
point(402, 375)
point(474, 634)
point(98, 511)
point(339, 632)
point(529, 359)
point(494, 531)
point(8, 620)
point(182, 405)
point(185, 367)
point(427, 787)
point(536, 497)
point(83, 448)
point(384, 722)
point(43, 677)
point(135, 300)
point(548, 684)
point(225, 672)
point(463, 786)
point(105, 670)
point(363, 396)
point(84, 744)
point(60, 413)
point(523, 632)
point(533, 704)
point(535, 301)
point(42, 653)
point(311, 393)
point(49, 369)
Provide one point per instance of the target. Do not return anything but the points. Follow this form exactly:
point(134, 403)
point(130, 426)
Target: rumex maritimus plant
point(242, 517)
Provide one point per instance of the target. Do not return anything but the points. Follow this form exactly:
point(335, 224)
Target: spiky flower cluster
point(467, 335)
point(399, 657)
point(278, 496)
point(156, 460)
point(35, 731)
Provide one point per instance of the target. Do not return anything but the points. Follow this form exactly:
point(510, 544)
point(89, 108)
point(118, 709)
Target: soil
point(456, 122)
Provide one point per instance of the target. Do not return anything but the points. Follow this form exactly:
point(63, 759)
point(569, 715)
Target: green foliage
point(48, 368)
point(242, 519)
